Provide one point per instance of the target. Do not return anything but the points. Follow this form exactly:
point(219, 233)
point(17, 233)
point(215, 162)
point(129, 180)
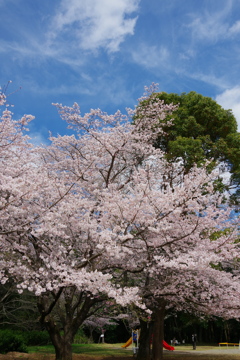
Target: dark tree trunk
point(64, 352)
point(62, 343)
point(62, 314)
point(144, 351)
point(158, 332)
point(152, 333)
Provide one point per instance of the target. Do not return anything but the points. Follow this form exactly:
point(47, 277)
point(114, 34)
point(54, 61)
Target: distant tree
point(17, 311)
point(200, 130)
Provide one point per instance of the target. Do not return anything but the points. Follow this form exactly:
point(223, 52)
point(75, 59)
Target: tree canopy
point(81, 213)
point(200, 129)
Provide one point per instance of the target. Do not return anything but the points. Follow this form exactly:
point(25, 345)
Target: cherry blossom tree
point(187, 279)
point(181, 273)
point(40, 252)
point(99, 324)
point(159, 209)
point(176, 254)
point(47, 255)
point(81, 215)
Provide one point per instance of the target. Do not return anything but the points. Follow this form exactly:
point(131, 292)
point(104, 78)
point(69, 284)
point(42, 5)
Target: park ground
point(115, 352)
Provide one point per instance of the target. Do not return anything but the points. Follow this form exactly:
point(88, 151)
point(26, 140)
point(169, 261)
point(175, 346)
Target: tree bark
point(144, 351)
point(158, 332)
point(62, 343)
point(152, 333)
point(62, 314)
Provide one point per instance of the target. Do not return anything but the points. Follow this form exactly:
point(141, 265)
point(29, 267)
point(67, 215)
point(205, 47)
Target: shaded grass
point(88, 349)
point(111, 351)
point(101, 349)
point(201, 357)
point(45, 349)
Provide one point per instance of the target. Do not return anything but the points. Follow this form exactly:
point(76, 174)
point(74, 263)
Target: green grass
point(186, 352)
point(46, 349)
point(88, 349)
point(200, 357)
point(101, 349)
point(115, 350)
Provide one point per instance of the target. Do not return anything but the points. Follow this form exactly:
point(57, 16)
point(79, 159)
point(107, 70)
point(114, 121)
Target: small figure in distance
point(194, 341)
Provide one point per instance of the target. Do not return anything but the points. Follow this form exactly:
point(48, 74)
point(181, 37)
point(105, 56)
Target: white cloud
point(37, 139)
point(235, 28)
point(230, 99)
point(214, 26)
point(209, 78)
point(92, 24)
point(151, 57)
point(208, 28)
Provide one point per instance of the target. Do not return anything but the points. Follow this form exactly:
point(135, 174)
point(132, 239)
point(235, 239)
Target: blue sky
point(101, 53)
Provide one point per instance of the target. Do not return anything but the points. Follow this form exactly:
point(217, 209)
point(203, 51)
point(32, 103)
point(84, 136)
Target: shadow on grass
point(200, 357)
point(114, 351)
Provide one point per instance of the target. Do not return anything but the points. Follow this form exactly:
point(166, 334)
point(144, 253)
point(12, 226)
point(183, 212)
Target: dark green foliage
point(233, 155)
point(112, 334)
point(11, 341)
point(199, 116)
point(80, 337)
point(115, 333)
point(209, 330)
point(34, 338)
point(201, 130)
point(16, 340)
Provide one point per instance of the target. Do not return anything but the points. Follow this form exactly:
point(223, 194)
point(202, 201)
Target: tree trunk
point(158, 332)
point(144, 351)
point(63, 349)
point(62, 342)
point(63, 320)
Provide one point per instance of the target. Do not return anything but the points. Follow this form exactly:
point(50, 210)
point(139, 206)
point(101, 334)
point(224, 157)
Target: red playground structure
point(165, 345)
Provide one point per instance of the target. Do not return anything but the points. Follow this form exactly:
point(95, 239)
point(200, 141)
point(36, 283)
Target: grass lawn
point(88, 349)
point(110, 351)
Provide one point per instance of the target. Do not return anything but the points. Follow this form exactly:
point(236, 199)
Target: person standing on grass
point(194, 341)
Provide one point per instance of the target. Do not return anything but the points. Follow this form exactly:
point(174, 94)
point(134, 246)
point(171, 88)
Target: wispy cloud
point(150, 56)
point(38, 139)
point(214, 25)
point(230, 99)
point(210, 78)
point(71, 32)
point(235, 28)
point(101, 53)
point(94, 24)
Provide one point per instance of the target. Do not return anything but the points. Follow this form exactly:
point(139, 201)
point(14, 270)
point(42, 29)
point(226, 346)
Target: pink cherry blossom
point(80, 213)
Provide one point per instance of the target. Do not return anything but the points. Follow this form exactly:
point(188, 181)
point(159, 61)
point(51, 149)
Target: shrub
point(36, 337)
point(81, 337)
point(11, 341)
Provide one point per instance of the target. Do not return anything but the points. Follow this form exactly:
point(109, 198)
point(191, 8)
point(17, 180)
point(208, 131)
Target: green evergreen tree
point(200, 130)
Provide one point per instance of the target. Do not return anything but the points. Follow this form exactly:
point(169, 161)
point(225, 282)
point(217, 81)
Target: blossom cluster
point(87, 209)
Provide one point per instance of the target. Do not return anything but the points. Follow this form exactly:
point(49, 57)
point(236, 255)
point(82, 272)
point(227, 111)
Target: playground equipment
point(229, 344)
point(129, 342)
point(165, 344)
point(133, 340)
